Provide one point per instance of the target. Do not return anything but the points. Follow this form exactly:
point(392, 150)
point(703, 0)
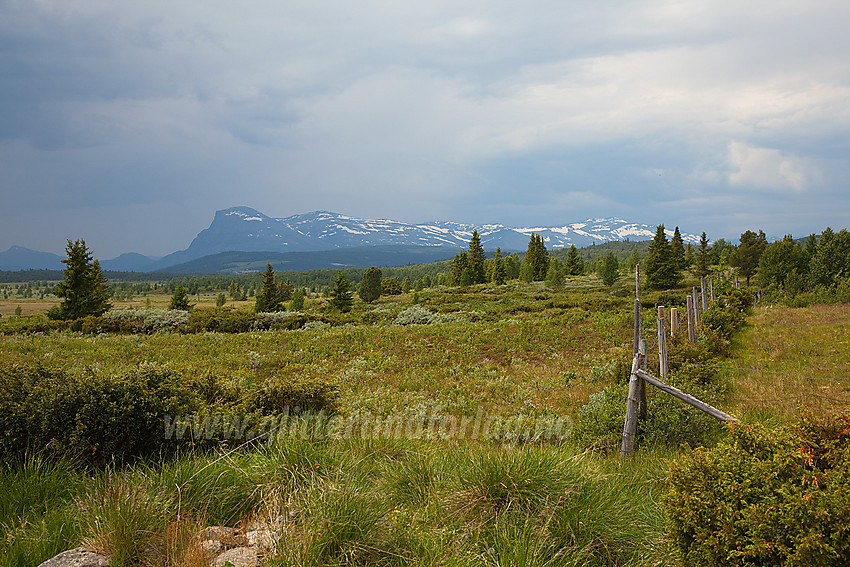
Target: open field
point(371, 498)
point(791, 359)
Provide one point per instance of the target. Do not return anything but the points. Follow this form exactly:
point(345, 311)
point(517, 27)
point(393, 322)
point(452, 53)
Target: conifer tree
point(341, 295)
point(496, 272)
point(84, 288)
point(659, 266)
point(284, 291)
point(370, 285)
point(297, 303)
point(609, 269)
point(476, 260)
point(575, 263)
point(703, 257)
point(179, 299)
point(677, 249)
point(460, 269)
point(689, 257)
point(555, 274)
point(512, 266)
point(268, 298)
point(536, 262)
point(746, 257)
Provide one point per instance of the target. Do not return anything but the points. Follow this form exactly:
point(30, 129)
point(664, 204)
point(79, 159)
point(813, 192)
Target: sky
point(128, 124)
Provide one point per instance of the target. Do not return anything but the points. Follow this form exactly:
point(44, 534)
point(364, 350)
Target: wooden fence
point(696, 303)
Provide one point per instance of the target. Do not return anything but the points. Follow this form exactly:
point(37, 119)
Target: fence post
point(692, 332)
point(703, 293)
point(711, 284)
point(662, 344)
point(632, 402)
point(696, 306)
point(674, 321)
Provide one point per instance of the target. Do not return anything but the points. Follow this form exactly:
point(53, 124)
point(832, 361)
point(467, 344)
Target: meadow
point(521, 353)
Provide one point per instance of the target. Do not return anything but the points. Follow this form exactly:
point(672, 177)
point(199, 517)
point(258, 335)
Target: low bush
point(765, 497)
point(93, 418)
point(668, 423)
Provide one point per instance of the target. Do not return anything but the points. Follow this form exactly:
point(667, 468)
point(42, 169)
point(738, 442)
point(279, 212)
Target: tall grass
point(37, 516)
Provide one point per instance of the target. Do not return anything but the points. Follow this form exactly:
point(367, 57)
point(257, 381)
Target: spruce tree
point(460, 269)
point(677, 249)
point(536, 262)
point(284, 290)
point(297, 303)
point(497, 273)
point(659, 266)
point(555, 274)
point(609, 269)
point(341, 295)
point(512, 266)
point(370, 285)
point(268, 298)
point(575, 264)
point(476, 260)
point(703, 257)
point(84, 288)
point(180, 299)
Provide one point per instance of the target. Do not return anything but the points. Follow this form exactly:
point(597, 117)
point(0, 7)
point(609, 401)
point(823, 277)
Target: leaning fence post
point(711, 284)
point(692, 332)
point(703, 293)
point(662, 344)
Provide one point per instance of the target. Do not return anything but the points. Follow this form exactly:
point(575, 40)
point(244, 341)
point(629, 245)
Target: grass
point(789, 359)
point(518, 351)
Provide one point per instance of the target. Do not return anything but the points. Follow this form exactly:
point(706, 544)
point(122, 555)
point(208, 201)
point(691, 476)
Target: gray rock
point(239, 557)
point(79, 557)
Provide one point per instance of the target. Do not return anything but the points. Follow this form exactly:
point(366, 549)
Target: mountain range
point(326, 239)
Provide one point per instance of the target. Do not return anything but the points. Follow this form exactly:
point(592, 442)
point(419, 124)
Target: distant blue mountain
point(20, 258)
point(130, 262)
point(243, 229)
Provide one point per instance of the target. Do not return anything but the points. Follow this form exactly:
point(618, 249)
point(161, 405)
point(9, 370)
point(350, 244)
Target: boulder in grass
point(79, 557)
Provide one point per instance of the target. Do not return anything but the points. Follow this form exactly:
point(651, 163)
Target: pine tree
point(220, 300)
point(575, 264)
point(341, 295)
point(370, 285)
point(84, 289)
point(268, 298)
point(476, 260)
point(746, 257)
point(703, 257)
point(179, 299)
point(677, 249)
point(659, 266)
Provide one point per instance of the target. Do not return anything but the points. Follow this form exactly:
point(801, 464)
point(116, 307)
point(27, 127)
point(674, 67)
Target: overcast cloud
point(129, 123)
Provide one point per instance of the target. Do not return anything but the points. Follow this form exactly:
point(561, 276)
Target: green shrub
point(95, 418)
point(669, 422)
point(277, 395)
point(765, 497)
